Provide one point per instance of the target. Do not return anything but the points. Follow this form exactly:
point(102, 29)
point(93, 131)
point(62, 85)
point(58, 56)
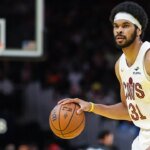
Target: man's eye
point(126, 26)
point(115, 26)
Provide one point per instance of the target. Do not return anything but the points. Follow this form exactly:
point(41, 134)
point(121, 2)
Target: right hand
point(84, 106)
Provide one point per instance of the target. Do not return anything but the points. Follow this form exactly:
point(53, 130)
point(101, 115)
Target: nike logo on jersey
point(136, 72)
point(136, 69)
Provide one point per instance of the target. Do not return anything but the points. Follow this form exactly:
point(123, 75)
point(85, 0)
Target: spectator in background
point(10, 146)
point(23, 147)
point(54, 146)
point(105, 141)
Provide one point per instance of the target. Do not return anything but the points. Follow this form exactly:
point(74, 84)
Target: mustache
point(120, 36)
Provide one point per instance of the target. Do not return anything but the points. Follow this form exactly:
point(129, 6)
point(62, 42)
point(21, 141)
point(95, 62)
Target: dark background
point(78, 61)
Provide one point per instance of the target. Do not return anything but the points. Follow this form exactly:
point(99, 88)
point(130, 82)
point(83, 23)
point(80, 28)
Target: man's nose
point(119, 30)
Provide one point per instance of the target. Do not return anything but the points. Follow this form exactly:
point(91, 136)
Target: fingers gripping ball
point(65, 122)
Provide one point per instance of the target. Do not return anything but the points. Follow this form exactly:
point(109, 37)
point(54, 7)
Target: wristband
point(92, 107)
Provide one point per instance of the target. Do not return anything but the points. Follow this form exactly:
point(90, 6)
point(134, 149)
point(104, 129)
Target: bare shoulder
point(147, 62)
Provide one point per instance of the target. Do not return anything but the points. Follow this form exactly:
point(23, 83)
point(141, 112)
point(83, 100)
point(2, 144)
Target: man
point(133, 72)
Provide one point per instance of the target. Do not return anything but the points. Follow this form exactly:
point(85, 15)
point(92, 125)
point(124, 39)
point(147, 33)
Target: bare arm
point(117, 111)
point(147, 62)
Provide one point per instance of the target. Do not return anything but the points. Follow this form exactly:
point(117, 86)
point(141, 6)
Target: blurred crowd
point(78, 61)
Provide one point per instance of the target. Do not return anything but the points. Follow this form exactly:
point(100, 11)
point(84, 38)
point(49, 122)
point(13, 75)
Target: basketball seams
point(53, 124)
point(70, 118)
point(76, 127)
point(67, 128)
point(59, 122)
point(65, 134)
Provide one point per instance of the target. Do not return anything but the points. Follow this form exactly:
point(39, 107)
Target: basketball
point(65, 122)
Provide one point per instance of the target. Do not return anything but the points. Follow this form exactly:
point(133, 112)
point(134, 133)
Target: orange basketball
point(65, 122)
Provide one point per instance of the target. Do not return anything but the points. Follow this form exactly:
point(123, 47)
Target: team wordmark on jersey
point(133, 89)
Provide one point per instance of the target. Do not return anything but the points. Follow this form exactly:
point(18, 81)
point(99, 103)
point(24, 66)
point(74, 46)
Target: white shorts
point(142, 141)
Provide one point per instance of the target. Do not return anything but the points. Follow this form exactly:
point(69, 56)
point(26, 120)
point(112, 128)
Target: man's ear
point(139, 32)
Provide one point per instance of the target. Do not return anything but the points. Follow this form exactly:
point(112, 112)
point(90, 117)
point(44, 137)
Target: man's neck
point(132, 51)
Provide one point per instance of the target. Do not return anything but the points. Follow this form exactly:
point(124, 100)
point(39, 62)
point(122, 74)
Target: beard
point(128, 42)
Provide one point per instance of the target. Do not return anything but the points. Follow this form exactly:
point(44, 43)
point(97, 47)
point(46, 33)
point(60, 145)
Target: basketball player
point(133, 72)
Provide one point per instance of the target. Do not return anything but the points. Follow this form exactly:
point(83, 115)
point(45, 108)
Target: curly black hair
point(134, 9)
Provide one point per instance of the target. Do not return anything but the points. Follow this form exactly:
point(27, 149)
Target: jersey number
point(136, 113)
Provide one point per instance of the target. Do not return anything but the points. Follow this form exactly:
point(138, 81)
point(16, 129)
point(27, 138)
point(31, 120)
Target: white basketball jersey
point(136, 84)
